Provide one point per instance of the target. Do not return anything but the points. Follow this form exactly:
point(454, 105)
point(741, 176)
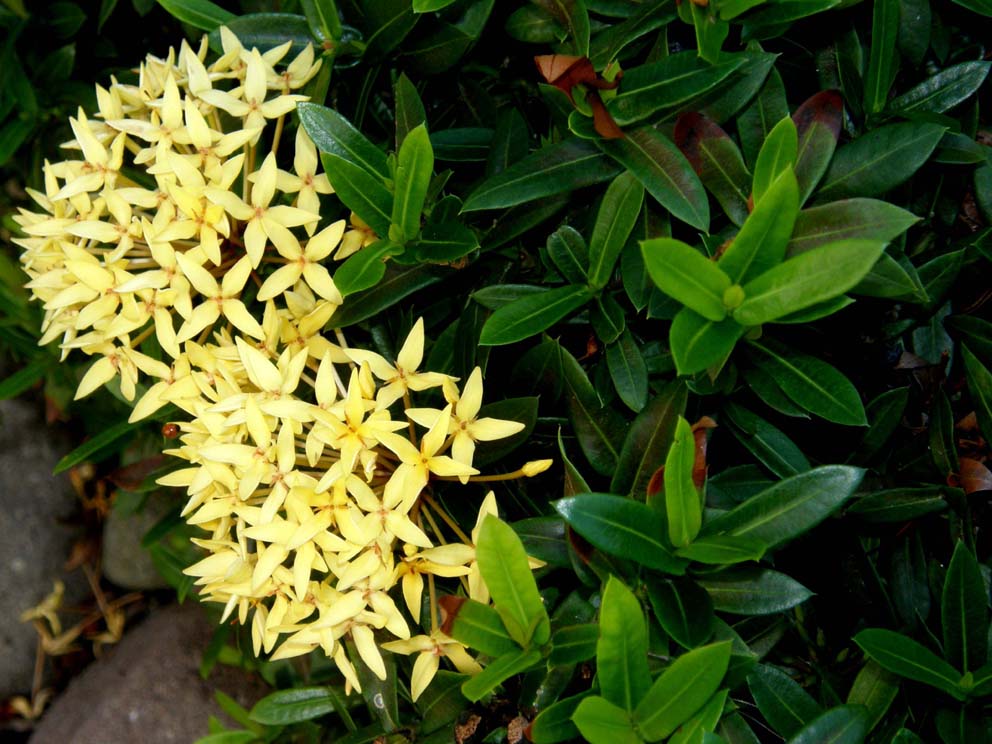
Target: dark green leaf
point(534, 25)
point(628, 371)
point(530, 315)
point(284, 707)
point(621, 527)
point(267, 31)
point(964, 611)
point(201, 14)
point(410, 112)
point(909, 659)
point(445, 242)
point(683, 609)
point(648, 441)
point(664, 172)
point(980, 387)
point(575, 643)
point(498, 671)
point(868, 219)
point(334, 134)
point(95, 448)
point(845, 724)
point(883, 60)
point(875, 689)
point(361, 192)
point(622, 650)
point(544, 538)
point(753, 591)
point(717, 162)
point(756, 121)
point(818, 122)
point(463, 145)
point(477, 625)
point(900, 504)
point(979, 6)
point(943, 91)
point(943, 449)
point(614, 223)
point(884, 414)
point(554, 723)
point(572, 16)
point(28, 375)
point(397, 284)
point(769, 444)
point(698, 343)
point(509, 143)
point(599, 429)
point(785, 705)
point(554, 169)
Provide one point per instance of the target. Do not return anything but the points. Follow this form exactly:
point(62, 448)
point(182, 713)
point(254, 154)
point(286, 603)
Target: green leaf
point(875, 689)
point(601, 722)
point(648, 18)
point(974, 333)
point(753, 591)
point(622, 650)
point(717, 161)
point(509, 143)
point(698, 343)
point(397, 284)
point(506, 571)
point(413, 176)
point(92, 450)
point(665, 173)
point(964, 612)
point(785, 705)
point(818, 122)
point(361, 192)
point(868, 219)
point(410, 112)
point(984, 7)
point(943, 447)
point(621, 527)
point(778, 153)
point(462, 144)
point(684, 610)
point(682, 272)
point(900, 504)
point(554, 723)
point(756, 121)
point(883, 61)
point(943, 91)
point(628, 371)
point(322, 15)
point(554, 169)
point(201, 14)
point(334, 134)
point(608, 318)
point(534, 25)
point(880, 160)
point(769, 444)
point(907, 658)
point(790, 507)
point(711, 32)
point(884, 414)
point(28, 375)
point(364, 269)
point(614, 223)
point(807, 279)
point(648, 441)
point(267, 31)
point(760, 244)
point(530, 315)
point(498, 671)
point(668, 84)
point(811, 383)
point(441, 703)
point(722, 550)
point(388, 24)
point(573, 644)
point(572, 16)
point(681, 690)
point(476, 625)
point(599, 428)
point(445, 242)
point(567, 249)
point(682, 504)
point(980, 387)
point(845, 724)
point(428, 6)
point(544, 539)
point(285, 707)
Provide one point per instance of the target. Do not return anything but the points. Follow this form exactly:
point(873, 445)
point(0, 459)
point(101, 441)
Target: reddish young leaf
point(818, 122)
point(565, 71)
point(450, 605)
point(974, 476)
point(699, 466)
point(717, 161)
point(601, 118)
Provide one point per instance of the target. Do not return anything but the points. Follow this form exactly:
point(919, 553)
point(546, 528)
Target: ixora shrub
point(721, 269)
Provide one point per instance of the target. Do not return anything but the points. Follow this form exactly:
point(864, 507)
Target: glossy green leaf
point(567, 249)
point(531, 315)
point(723, 550)
point(648, 441)
point(201, 14)
point(572, 644)
point(682, 272)
point(322, 15)
point(267, 31)
point(509, 142)
point(506, 571)
point(807, 279)
point(622, 649)
point(811, 383)
point(479, 626)
point(964, 611)
point(554, 724)
point(365, 269)
point(818, 122)
point(410, 112)
point(668, 84)
point(980, 387)
point(628, 371)
point(755, 122)
point(646, 19)
point(766, 442)
point(771, 21)
point(900, 504)
point(444, 242)
point(907, 658)
point(699, 727)
point(753, 591)
point(462, 144)
point(711, 32)
point(684, 610)
point(879, 160)
point(760, 244)
point(717, 161)
point(361, 192)
point(883, 61)
point(332, 133)
point(94, 449)
point(284, 707)
point(785, 705)
point(845, 724)
point(414, 169)
point(498, 671)
point(778, 153)
point(599, 428)
point(388, 24)
point(790, 507)
point(621, 527)
point(665, 173)
point(615, 221)
point(765, 387)
point(869, 219)
point(522, 410)
point(682, 503)
point(943, 91)
point(875, 689)
point(681, 690)
point(601, 722)
point(554, 169)
point(397, 284)
point(698, 343)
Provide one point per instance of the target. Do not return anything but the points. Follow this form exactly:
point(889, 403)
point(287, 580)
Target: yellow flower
point(430, 649)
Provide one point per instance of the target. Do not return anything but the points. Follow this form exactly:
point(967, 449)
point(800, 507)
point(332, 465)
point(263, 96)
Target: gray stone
point(147, 688)
point(125, 562)
point(36, 533)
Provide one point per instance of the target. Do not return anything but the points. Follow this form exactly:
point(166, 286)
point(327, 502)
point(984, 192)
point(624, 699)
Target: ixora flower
point(316, 507)
point(172, 205)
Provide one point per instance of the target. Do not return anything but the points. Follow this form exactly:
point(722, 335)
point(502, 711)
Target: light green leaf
point(622, 650)
point(682, 272)
point(682, 502)
point(778, 153)
point(602, 722)
point(530, 315)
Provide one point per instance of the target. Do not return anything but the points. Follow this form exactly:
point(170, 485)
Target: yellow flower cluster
point(317, 507)
point(171, 208)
